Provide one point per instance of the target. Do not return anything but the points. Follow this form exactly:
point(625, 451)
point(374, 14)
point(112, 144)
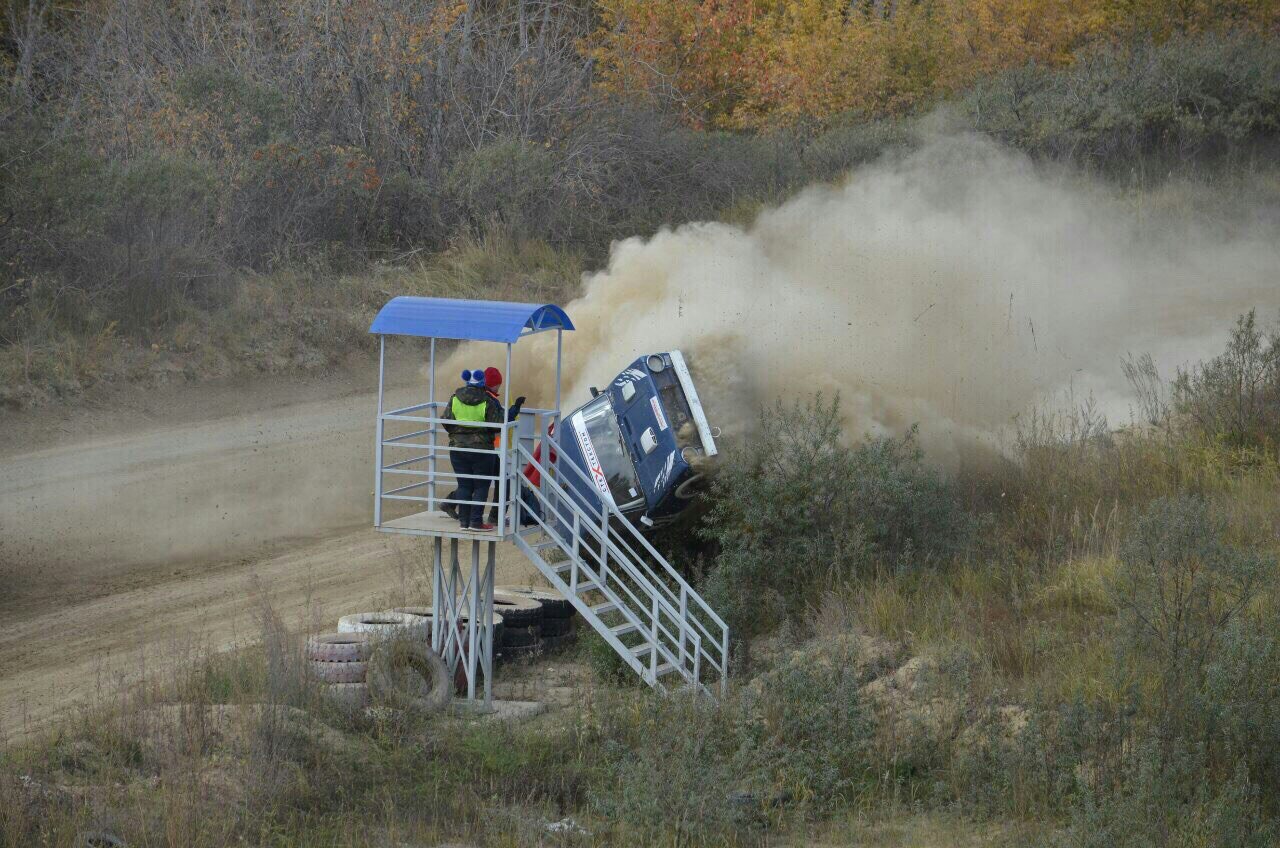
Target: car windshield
point(602, 427)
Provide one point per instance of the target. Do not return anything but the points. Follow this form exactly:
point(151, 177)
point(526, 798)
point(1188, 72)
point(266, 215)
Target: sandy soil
point(129, 534)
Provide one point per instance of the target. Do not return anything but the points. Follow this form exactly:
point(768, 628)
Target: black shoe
point(450, 510)
point(493, 517)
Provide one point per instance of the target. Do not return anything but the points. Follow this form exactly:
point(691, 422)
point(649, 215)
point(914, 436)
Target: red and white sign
point(657, 413)
point(593, 462)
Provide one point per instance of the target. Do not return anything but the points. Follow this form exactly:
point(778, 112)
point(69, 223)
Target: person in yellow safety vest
point(470, 447)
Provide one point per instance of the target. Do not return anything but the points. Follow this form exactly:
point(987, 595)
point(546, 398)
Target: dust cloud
point(955, 287)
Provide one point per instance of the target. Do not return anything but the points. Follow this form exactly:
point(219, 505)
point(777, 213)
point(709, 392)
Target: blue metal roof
point(474, 320)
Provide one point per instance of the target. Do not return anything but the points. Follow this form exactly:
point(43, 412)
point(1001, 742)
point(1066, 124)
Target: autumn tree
point(759, 63)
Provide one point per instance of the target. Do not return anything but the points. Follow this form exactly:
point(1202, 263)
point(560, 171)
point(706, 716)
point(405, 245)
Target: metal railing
point(428, 444)
point(678, 630)
point(675, 625)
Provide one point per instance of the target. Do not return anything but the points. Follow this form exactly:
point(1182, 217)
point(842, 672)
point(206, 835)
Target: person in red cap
point(492, 382)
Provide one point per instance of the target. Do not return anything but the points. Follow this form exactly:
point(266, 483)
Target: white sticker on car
point(665, 472)
point(657, 413)
point(631, 375)
point(593, 462)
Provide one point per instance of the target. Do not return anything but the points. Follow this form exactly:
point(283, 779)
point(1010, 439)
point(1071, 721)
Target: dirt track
point(121, 551)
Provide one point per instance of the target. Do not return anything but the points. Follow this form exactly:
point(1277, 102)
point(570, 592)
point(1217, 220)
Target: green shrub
point(1178, 590)
point(847, 145)
point(808, 731)
point(136, 238)
point(1188, 98)
point(668, 769)
point(1235, 396)
point(607, 665)
point(1240, 711)
point(510, 184)
point(235, 113)
point(798, 512)
point(1163, 800)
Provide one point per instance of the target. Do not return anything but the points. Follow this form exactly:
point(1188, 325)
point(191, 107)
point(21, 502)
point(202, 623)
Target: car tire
point(339, 647)
point(383, 625)
point(554, 605)
point(408, 675)
point(520, 637)
point(516, 609)
point(553, 627)
point(690, 488)
point(339, 672)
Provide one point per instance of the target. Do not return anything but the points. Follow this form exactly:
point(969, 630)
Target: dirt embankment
point(129, 533)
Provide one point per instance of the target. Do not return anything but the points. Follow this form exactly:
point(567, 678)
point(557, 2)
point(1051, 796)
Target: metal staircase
point(647, 612)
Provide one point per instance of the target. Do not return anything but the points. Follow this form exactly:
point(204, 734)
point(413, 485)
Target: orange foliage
point(753, 63)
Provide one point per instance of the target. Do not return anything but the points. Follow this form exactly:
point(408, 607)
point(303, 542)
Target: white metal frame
point(454, 601)
point(677, 624)
point(644, 597)
point(462, 623)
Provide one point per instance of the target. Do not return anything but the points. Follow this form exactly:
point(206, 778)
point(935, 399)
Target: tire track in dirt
point(53, 661)
point(122, 554)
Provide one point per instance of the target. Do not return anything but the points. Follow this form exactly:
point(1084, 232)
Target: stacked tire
point(558, 616)
point(386, 625)
point(406, 675)
point(425, 615)
point(340, 662)
point(521, 624)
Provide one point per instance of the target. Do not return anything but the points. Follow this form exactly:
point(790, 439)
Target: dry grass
point(294, 320)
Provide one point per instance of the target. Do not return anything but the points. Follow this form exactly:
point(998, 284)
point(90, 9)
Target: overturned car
point(640, 440)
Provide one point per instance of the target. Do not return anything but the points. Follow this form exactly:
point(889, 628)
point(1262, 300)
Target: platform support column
point(377, 449)
point(437, 594)
point(431, 413)
point(462, 623)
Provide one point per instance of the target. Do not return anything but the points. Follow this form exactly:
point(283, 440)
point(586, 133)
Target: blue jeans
point(471, 515)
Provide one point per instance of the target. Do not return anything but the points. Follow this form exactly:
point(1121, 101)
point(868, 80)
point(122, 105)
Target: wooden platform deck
point(435, 523)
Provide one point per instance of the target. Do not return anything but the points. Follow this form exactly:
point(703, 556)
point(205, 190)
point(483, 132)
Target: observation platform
point(436, 523)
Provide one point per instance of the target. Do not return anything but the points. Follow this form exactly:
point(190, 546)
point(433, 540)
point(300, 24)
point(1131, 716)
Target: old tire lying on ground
point(520, 637)
point(383, 625)
point(516, 610)
point(425, 615)
point(349, 696)
point(339, 647)
point(554, 605)
point(338, 672)
point(556, 627)
point(407, 675)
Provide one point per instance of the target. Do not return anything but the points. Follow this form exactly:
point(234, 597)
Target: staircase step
point(614, 569)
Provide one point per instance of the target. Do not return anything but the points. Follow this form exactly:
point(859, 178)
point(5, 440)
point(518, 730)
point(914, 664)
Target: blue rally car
point(639, 438)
